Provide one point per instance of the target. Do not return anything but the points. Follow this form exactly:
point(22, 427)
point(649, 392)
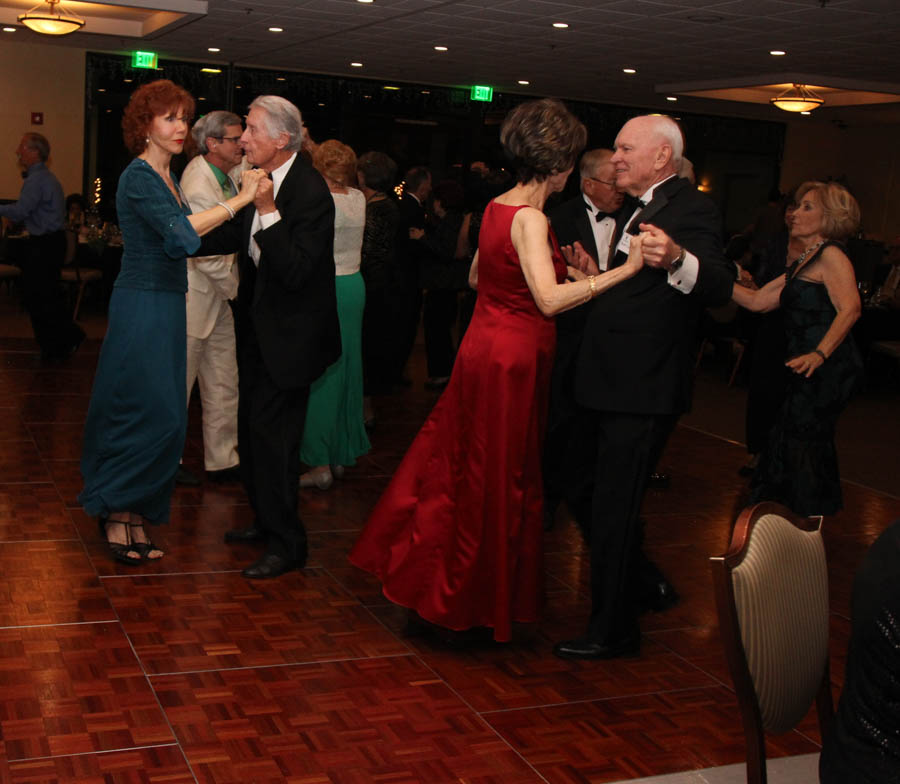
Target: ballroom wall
point(865, 158)
point(48, 79)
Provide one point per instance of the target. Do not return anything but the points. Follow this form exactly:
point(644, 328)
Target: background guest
point(382, 238)
point(41, 208)
point(212, 282)
point(334, 435)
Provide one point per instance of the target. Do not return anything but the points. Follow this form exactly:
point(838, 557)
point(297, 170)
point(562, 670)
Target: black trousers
point(270, 428)
point(438, 317)
point(628, 446)
point(51, 321)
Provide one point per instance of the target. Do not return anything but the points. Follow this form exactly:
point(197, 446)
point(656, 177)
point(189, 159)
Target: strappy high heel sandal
point(144, 548)
point(120, 550)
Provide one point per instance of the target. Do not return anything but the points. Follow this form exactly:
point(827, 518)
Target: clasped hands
point(256, 185)
point(651, 248)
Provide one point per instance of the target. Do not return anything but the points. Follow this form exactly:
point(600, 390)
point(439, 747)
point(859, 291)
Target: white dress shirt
point(685, 277)
point(270, 219)
point(603, 231)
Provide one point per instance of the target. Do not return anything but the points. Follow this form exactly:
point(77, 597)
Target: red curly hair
point(148, 101)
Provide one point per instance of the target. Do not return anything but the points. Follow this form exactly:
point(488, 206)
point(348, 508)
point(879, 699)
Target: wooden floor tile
point(21, 462)
point(49, 583)
point(55, 408)
point(74, 689)
point(180, 623)
point(58, 441)
point(645, 735)
point(380, 720)
point(154, 765)
point(33, 511)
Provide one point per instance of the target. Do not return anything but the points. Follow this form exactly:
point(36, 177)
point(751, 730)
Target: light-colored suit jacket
point(211, 279)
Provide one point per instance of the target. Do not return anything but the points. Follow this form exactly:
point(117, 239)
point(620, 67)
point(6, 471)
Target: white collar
point(647, 197)
point(280, 173)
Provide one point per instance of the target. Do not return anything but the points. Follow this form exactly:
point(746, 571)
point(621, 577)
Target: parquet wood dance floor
point(182, 671)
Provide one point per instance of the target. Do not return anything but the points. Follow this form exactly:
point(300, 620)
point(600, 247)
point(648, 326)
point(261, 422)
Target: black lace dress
point(799, 467)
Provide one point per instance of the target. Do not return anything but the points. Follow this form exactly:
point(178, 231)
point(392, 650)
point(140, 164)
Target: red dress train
point(457, 534)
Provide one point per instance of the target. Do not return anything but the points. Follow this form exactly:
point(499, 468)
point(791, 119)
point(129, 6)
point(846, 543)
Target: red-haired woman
point(136, 421)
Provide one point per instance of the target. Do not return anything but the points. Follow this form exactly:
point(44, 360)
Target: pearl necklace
point(805, 255)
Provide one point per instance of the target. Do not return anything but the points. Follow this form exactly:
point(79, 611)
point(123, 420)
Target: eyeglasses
point(232, 139)
point(610, 184)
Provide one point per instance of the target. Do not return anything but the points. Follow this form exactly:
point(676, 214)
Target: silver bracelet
point(228, 209)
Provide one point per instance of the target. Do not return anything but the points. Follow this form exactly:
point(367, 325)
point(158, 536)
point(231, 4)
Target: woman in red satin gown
point(457, 534)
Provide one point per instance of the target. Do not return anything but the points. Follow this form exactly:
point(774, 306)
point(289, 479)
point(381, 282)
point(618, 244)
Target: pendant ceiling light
point(44, 18)
point(798, 98)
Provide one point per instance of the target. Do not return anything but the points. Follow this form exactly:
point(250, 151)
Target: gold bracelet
point(593, 291)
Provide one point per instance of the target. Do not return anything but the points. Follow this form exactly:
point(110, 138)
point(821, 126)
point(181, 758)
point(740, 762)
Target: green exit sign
point(143, 59)
point(481, 92)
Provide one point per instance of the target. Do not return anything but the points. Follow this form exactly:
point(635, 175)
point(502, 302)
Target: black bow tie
point(599, 215)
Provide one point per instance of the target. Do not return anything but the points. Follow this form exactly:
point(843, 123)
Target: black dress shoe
point(225, 476)
point(586, 649)
point(243, 535)
point(659, 481)
point(271, 565)
point(659, 597)
point(185, 477)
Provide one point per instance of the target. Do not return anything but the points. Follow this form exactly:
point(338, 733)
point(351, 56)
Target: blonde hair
point(336, 161)
point(840, 212)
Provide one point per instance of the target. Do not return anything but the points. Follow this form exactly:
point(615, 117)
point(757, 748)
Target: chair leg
point(78, 301)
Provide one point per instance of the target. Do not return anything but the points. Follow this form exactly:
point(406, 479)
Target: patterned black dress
point(799, 467)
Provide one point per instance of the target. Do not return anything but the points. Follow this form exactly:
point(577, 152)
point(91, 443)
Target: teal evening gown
point(136, 421)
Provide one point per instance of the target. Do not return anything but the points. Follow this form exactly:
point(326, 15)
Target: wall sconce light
point(798, 98)
point(45, 19)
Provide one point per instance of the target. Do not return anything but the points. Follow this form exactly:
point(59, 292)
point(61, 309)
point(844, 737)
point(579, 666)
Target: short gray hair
point(213, 126)
point(281, 117)
point(39, 143)
point(593, 160)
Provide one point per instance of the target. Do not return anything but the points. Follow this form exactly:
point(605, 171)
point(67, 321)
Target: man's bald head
point(648, 149)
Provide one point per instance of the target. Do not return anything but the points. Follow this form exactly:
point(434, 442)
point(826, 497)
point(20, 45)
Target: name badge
point(624, 243)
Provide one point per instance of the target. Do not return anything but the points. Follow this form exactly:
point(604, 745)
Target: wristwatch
point(676, 265)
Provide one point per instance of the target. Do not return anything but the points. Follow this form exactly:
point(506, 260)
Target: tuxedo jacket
point(637, 353)
point(212, 280)
point(289, 300)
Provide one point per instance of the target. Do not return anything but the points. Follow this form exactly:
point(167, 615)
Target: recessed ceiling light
point(213, 49)
point(365, 1)
point(440, 48)
point(101, 89)
point(777, 52)
point(390, 87)
point(426, 92)
point(129, 81)
point(237, 87)
point(9, 29)
point(629, 70)
point(356, 65)
point(276, 29)
point(805, 112)
point(362, 1)
point(524, 81)
point(211, 70)
point(671, 98)
point(367, 96)
point(280, 79)
point(201, 98)
point(560, 25)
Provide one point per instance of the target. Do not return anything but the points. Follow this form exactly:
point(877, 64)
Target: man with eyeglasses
point(212, 282)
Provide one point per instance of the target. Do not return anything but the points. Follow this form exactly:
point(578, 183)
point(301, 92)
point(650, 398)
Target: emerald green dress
point(136, 421)
point(334, 433)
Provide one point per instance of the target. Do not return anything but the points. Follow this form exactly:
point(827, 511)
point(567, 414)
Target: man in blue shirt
point(41, 207)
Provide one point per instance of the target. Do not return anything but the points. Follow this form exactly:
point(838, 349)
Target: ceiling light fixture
point(524, 81)
point(213, 49)
point(9, 29)
point(629, 70)
point(365, 1)
point(440, 48)
point(276, 29)
point(671, 98)
point(798, 98)
point(560, 25)
point(44, 18)
point(356, 65)
point(777, 52)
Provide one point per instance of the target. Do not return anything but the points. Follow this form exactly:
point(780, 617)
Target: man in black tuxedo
point(591, 220)
point(286, 323)
point(635, 362)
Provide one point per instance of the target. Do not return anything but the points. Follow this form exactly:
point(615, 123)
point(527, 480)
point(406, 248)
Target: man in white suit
point(212, 281)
